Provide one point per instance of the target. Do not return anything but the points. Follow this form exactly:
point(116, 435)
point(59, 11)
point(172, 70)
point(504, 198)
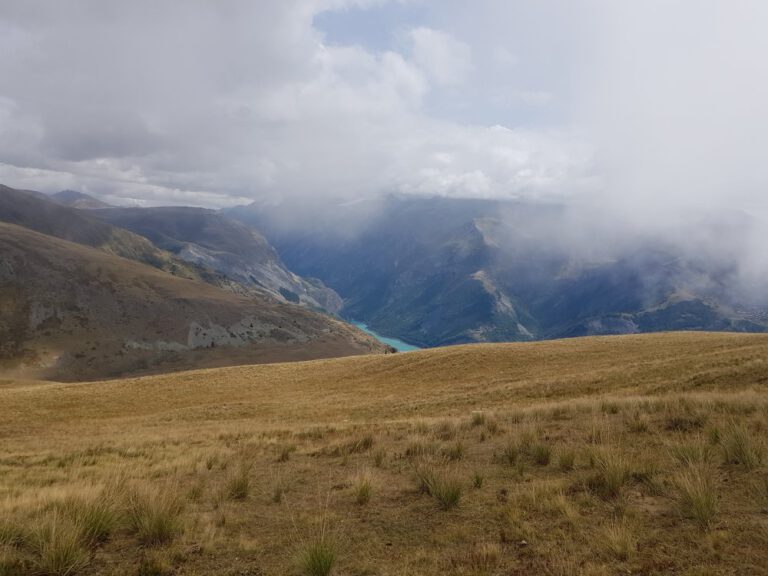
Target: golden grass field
point(597, 456)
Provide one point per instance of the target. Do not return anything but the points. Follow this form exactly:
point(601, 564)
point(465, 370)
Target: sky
point(641, 109)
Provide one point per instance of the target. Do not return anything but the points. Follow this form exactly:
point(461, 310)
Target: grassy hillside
point(59, 216)
point(42, 214)
point(617, 455)
point(71, 312)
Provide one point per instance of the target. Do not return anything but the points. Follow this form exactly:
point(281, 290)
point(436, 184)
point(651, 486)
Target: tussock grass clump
point(637, 422)
point(739, 447)
point(610, 407)
point(317, 558)
point(542, 497)
point(478, 479)
point(696, 494)
point(58, 546)
point(96, 516)
point(598, 431)
point(64, 531)
point(646, 472)
point(426, 475)
point(685, 423)
point(211, 460)
point(447, 490)
point(560, 503)
point(239, 483)
point(363, 488)
point(492, 426)
point(691, 454)
point(478, 419)
point(525, 442)
point(278, 487)
point(513, 526)
point(11, 533)
point(444, 487)
point(684, 415)
point(195, 493)
point(510, 453)
point(612, 470)
point(357, 445)
point(526, 447)
point(446, 430)
point(421, 427)
point(420, 448)
point(154, 515)
point(713, 435)
point(378, 457)
point(619, 540)
point(455, 451)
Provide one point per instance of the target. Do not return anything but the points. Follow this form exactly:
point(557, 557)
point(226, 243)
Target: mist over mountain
point(383, 287)
point(75, 199)
point(226, 246)
point(437, 271)
point(447, 171)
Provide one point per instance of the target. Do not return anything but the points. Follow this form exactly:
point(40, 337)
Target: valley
point(383, 288)
point(398, 345)
point(438, 271)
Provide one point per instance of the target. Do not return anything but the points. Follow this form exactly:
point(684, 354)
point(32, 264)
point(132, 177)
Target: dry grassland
point(596, 456)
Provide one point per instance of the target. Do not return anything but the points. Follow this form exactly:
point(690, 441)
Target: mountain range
point(81, 298)
point(430, 271)
point(438, 271)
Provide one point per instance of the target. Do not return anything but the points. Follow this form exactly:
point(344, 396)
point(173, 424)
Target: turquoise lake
point(398, 345)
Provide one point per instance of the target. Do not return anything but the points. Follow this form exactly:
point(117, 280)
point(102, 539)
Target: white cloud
point(648, 117)
point(204, 103)
point(444, 59)
point(210, 103)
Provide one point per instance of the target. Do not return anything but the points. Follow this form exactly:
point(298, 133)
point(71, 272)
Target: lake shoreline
point(396, 343)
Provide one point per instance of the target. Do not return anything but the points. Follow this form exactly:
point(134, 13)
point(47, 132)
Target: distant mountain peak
point(75, 199)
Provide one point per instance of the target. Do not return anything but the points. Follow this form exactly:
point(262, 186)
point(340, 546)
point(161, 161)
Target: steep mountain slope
point(229, 247)
point(69, 311)
point(230, 255)
point(436, 271)
point(38, 212)
point(75, 199)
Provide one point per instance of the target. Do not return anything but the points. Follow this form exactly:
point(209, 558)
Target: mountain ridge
point(210, 239)
point(438, 271)
point(79, 200)
point(74, 312)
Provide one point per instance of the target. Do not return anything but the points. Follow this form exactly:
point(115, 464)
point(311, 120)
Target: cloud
point(206, 103)
point(673, 97)
point(443, 59)
point(643, 110)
